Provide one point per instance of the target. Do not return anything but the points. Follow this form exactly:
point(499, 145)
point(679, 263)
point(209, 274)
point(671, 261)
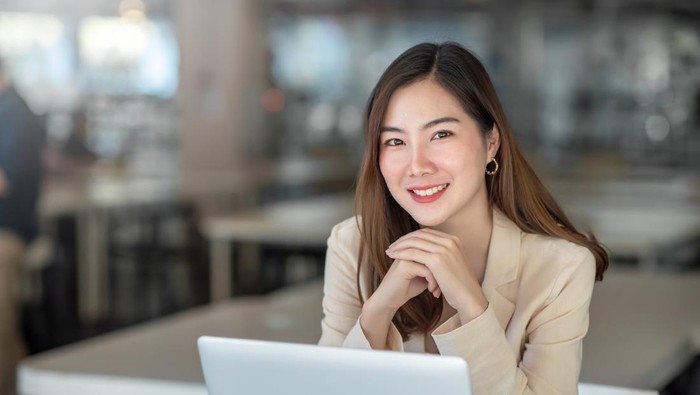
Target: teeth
point(430, 191)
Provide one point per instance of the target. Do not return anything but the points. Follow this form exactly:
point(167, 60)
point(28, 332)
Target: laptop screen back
point(237, 366)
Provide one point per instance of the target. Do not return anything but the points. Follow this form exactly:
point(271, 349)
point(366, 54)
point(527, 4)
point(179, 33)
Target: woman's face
point(433, 156)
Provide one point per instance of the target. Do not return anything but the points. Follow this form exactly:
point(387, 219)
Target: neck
point(473, 228)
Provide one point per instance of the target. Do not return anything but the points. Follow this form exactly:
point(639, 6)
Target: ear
point(493, 142)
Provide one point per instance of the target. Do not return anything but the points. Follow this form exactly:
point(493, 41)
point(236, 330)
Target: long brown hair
point(515, 189)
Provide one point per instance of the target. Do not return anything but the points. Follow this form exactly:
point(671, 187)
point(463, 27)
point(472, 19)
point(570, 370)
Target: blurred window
point(326, 64)
point(339, 57)
point(39, 54)
point(128, 56)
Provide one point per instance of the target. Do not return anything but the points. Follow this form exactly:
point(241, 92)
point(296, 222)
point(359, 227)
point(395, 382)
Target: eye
point(441, 135)
point(393, 142)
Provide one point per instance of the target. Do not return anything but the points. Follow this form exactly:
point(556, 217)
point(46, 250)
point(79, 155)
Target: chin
point(428, 221)
point(424, 216)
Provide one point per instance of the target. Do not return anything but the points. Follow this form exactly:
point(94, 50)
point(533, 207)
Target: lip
point(426, 199)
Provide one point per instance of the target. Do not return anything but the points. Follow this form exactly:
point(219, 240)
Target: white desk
point(301, 223)
point(642, 328)
point(636, 217)
point(639, 228)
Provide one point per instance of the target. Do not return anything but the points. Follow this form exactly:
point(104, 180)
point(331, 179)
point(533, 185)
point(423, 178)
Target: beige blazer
point(529, 338)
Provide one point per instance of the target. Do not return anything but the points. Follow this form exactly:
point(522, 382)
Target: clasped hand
point(432, 260)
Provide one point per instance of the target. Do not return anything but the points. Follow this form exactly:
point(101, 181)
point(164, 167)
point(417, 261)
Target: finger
point(437, 237)
point(428, 276)
point(433, 262)
point(422, 271)
point(416, 242)
point(428, 235)
point(433, 289)
point(409, 270)
point(425, 273)
point(415, 255)
point(433, 232)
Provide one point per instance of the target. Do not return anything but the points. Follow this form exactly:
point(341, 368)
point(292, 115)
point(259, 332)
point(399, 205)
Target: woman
point(458, 248)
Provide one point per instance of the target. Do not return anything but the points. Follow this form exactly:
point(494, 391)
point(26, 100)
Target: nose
point(421, 162)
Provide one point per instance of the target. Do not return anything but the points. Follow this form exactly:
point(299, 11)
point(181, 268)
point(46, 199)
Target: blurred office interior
point(184, 138)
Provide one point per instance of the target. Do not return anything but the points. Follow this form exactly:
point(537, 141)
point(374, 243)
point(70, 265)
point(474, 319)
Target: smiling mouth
point(429, 191)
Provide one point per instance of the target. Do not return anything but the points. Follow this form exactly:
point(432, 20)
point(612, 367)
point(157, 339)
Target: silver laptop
point(237, 366)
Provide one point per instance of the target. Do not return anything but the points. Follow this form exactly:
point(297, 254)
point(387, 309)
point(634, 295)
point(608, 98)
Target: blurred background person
point(21, 141)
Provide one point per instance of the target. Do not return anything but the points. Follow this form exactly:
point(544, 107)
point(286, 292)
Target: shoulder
point(556, 251)
point(557, 262)
point(542, 256)
point(345, 236)
point(347, 230)
point(348, 227)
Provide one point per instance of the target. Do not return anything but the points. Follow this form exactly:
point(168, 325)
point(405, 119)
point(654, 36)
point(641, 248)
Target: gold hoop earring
point(495, 169)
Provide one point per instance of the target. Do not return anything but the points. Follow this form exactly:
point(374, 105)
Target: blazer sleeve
point(551, 359)
point(341, 305)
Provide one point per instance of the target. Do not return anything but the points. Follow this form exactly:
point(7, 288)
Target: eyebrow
point(430, 124)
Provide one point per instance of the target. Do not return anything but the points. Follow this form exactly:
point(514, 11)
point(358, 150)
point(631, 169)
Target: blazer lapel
point(502, 266)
